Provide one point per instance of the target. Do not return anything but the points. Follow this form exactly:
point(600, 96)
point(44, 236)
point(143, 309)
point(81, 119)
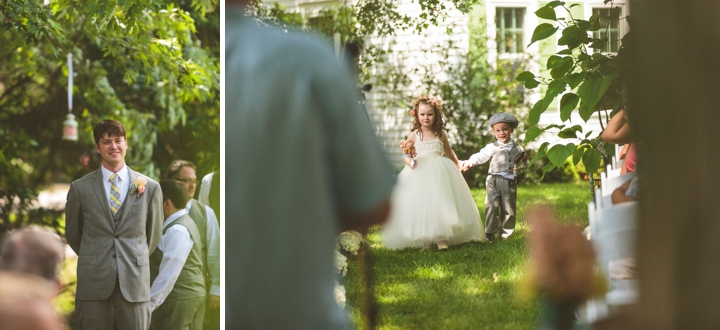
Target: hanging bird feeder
point(70, 125)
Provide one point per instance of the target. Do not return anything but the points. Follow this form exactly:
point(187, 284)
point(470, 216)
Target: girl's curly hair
point(438, 126)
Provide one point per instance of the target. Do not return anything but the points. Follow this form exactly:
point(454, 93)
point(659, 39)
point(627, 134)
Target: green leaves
point(532, 134)
point(591, 159)
point(573, 36)
point(532, 83)
point(574, 79)
point(570, 133)
point(560, 71)
point(591, 78)
point(606, 83)
point(554, 89)
point(555, 61)
point(558, 154)
point(525, 75)
point(542, 31)
point(589, 92)
point(529, 79)
point(536, 111)
point(542, 152)
point(567, 104)
point(594, 22)
point(546, 13)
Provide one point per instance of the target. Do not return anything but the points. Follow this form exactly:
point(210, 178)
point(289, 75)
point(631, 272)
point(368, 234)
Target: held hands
point(464, 165)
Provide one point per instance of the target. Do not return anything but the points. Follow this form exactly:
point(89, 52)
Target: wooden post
point(675, 111)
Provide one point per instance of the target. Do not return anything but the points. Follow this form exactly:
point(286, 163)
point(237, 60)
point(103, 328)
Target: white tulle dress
point(431, 203)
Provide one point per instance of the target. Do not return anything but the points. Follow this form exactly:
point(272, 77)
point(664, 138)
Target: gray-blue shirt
point(297, 152)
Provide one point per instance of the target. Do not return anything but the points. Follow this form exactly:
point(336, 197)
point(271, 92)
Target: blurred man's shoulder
point(280, 40)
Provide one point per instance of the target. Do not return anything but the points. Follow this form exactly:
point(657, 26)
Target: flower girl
point(432, 202)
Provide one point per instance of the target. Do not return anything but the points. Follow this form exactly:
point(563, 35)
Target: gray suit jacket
point(106, 251)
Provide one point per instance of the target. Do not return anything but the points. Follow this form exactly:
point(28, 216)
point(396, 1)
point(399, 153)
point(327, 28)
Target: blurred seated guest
point(618, 132)
point(26, 303)
point(177, 293)
point(32, 250)
point(618, 129)
point(628, 192)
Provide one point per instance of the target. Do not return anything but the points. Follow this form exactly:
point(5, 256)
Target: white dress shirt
point(123, 182)
point(212, 239)
point(176, 245)
point(486, 153)
point(204, 194)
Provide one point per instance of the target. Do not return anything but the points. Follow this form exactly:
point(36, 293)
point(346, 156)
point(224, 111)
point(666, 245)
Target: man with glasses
point(206, 221)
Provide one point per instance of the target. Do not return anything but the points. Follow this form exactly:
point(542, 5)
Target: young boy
point(500, 184)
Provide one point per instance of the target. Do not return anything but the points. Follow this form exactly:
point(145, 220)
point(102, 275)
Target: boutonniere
point(138, 185)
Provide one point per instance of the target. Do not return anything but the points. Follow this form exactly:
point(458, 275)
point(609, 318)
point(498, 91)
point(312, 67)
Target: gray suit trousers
point(113, 313)
point(500, 204)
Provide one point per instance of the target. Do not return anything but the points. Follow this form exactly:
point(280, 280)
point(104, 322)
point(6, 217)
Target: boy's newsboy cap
point(502, 117)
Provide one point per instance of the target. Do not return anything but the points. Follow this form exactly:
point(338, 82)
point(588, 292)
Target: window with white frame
point(510, 30)
point(609, 28)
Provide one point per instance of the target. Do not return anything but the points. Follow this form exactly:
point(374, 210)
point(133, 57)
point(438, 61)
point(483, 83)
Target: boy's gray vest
point(198, 215)
point(503, 160)
point(191, 282)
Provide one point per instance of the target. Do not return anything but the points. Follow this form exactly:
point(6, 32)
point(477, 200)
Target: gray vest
point(191, 282)
point(199, 216)
point(503, 160)
point(118, 215)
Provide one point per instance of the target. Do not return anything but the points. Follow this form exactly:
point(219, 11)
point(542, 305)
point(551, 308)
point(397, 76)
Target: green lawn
point(472, 286)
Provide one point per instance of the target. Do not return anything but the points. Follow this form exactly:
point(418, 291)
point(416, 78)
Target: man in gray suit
point(113, 222)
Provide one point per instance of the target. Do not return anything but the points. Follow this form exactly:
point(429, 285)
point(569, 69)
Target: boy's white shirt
point(176, 244)
point(485, 155)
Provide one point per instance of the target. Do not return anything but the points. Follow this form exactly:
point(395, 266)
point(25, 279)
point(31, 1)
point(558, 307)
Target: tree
point(153, 65)
point(589, 80)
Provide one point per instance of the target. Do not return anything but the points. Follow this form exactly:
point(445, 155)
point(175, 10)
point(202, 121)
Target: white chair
point(612, 172)
point(608, 185)
point(614, 241)
point(620, 164)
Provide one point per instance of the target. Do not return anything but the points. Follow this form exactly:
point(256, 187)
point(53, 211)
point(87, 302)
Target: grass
point(471, 286)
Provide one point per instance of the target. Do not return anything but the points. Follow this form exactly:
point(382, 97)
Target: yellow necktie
point(114, 194)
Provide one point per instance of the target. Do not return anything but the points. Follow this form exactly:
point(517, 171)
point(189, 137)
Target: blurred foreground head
point(32, 250)
point(562, 259)
point(26, 303)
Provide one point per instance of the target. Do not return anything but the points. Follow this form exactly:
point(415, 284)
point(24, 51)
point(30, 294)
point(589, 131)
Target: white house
point(509, 25)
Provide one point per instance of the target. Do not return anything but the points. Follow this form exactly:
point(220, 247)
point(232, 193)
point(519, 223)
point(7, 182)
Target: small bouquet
point(408, 148)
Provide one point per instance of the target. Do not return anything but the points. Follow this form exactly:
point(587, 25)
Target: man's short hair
point(111, 127)
point(32, 250)
point(176, 167)
point(174, 191)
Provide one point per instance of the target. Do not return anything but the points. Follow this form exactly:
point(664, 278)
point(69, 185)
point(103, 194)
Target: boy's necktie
point(114, 194)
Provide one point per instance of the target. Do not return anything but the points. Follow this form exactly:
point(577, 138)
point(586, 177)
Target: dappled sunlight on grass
point(470, 286)
point(431, 273)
